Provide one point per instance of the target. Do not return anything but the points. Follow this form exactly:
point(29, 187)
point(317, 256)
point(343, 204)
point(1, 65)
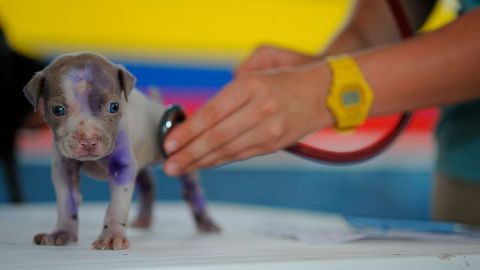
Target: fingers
point(253, 111)
point(254, 62)
point(220, 107)
point(222, 133)
point(266, 57)
point(264, 139)
point(262, 58)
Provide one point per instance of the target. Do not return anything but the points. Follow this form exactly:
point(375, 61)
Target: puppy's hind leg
point(193, 195)
point(145, 183)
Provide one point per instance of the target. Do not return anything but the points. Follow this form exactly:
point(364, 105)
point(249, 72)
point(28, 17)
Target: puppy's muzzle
point(86, 142)
point(89, 144)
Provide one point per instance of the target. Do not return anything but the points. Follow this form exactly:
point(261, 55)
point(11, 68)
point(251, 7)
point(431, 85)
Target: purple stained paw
point(111, 240)
point(58, 238)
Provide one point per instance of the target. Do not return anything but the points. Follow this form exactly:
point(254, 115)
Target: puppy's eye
point(114, 107)
point(58, 110)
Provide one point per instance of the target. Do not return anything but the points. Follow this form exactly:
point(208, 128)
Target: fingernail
point(171, 168)
point(171, 146)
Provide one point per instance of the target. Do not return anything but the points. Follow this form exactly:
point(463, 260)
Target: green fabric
point(458, 133)
point(468, 5)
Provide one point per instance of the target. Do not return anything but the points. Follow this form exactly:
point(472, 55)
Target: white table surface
point(172, 243)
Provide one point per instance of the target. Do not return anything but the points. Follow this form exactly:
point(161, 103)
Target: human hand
point(255, 114)
point(266, 57)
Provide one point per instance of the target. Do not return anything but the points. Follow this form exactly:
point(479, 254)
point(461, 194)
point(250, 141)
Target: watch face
point(350, 97)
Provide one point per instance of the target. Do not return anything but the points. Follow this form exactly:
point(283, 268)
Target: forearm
point(348, 40)
point(435, 69)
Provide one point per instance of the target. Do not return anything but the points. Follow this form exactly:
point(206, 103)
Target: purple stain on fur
point(72, 204)
point(199, 201)
point(79, 76)
point(68, 176)
point(192, 193)
point(120, 164)
point(91, 86)
point(83, 101)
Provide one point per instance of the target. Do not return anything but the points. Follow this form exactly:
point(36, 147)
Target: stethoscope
point(174, 115)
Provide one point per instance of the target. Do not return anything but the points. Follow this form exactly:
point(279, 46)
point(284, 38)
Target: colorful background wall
point(187, 50)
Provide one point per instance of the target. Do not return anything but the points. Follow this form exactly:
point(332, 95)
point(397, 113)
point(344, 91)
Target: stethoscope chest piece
point(173, 115)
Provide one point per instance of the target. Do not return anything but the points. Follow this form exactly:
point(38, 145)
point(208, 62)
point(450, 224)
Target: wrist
point(320, 75)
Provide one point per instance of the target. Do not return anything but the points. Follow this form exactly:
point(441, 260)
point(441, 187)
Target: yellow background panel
point(209, 30)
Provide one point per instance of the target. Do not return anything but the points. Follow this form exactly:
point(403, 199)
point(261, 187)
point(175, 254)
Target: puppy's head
point(83, 96)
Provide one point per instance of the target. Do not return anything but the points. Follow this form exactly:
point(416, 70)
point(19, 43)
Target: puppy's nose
point(89, 143)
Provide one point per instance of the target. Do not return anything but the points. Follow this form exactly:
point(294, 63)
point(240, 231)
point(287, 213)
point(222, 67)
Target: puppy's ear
point(126, 79)
point(34, 89)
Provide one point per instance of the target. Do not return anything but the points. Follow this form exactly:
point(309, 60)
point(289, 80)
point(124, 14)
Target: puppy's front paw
point(111, 240)
point(57, 238)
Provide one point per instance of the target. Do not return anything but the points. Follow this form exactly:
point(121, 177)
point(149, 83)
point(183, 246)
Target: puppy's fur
point(101, 124)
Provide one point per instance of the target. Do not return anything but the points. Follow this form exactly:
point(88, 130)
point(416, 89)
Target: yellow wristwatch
point(350, 96)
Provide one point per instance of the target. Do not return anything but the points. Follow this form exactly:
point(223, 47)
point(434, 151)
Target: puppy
point(101, 124)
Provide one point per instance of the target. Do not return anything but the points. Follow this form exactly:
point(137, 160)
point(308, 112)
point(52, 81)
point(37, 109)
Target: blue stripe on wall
point(169, 75)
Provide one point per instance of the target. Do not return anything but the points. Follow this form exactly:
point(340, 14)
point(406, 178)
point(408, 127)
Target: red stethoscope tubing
point(325, 156)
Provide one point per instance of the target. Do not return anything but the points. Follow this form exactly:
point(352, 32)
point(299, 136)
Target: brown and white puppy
point(101, 124)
